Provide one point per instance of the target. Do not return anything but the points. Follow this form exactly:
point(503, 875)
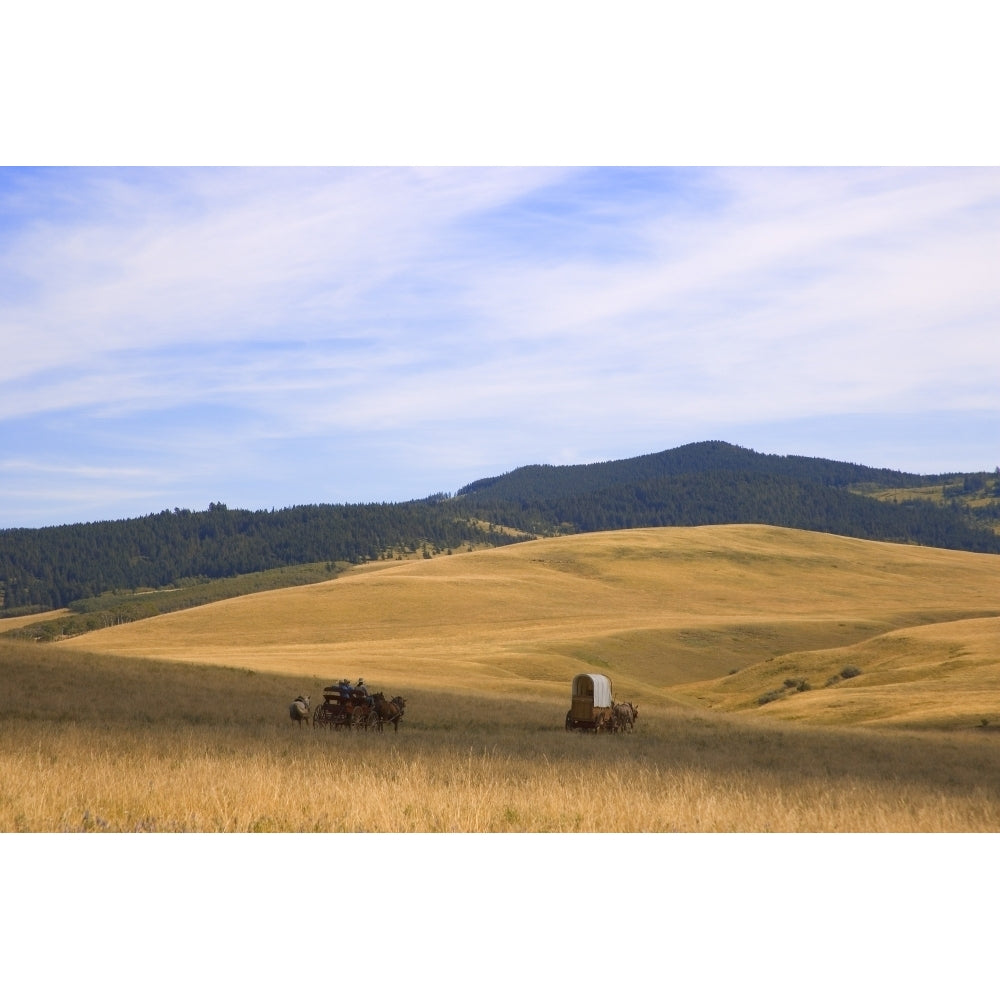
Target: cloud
point(152, 258)
point(514, 315)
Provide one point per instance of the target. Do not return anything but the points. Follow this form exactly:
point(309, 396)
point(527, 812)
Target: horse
point(625, 715)
point(605, 720)
point(388, 711)
point(298, 711)
point(362, 712)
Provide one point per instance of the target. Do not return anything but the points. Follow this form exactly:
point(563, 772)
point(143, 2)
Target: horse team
point(619, 717)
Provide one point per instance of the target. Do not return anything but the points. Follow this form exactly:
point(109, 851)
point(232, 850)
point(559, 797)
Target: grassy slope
point(10, 624)
point(668, 613)
point(935, 675)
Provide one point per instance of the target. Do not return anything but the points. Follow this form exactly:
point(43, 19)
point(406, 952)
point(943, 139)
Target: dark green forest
point(743, 498)
point(546, 482)
point(708, 483)
point(718, 483)
point(44, 568)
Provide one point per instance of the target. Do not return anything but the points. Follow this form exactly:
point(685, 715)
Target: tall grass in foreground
point(101, 744)
point(67, 777)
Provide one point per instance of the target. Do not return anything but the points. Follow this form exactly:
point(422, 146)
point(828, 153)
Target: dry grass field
point(180, 723)
point(9, 624)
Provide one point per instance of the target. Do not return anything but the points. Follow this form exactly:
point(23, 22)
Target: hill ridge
point(704, 456)
point(705, 483)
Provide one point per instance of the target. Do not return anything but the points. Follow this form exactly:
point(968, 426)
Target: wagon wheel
point(359, 719)
point(319, 716)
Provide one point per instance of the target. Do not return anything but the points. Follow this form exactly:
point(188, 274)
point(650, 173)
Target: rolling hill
point(717, 616)
point(707, 483)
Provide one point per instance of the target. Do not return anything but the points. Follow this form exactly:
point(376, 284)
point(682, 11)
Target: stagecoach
point(344, 708)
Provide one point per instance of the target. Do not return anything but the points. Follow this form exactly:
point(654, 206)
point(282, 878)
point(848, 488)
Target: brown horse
point(625, 715)
point(363, 715)
point(604, 720)
point(388, 711)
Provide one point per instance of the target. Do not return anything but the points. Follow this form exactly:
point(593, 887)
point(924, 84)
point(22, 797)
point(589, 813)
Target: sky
point(381, 284)
point(265, 337)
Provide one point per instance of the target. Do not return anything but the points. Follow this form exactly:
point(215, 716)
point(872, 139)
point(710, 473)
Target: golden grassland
point(121, 745)
point(9, 624)
point(934, 676)
point(180, 723)
point(656, 609)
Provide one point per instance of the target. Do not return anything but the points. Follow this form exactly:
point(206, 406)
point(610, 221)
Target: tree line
point(44, 568)
point(708, 483)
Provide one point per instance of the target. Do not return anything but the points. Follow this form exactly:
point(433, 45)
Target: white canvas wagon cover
point(593, 685)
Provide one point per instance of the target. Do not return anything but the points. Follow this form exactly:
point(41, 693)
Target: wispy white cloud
point(162, 258)
point(226, 325)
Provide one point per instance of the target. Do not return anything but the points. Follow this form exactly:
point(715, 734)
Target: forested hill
point(718, 483)
point(544, 483)
point(708, 483)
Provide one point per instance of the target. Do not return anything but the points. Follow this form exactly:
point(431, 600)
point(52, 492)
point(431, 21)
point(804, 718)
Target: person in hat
point(360, 687)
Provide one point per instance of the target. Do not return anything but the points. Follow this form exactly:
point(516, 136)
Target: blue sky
point(274, 336)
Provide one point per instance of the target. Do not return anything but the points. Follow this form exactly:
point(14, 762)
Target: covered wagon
point(592, 705)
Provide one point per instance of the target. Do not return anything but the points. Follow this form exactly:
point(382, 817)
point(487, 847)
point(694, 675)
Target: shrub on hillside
point(770, 696)
point(846, 674)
